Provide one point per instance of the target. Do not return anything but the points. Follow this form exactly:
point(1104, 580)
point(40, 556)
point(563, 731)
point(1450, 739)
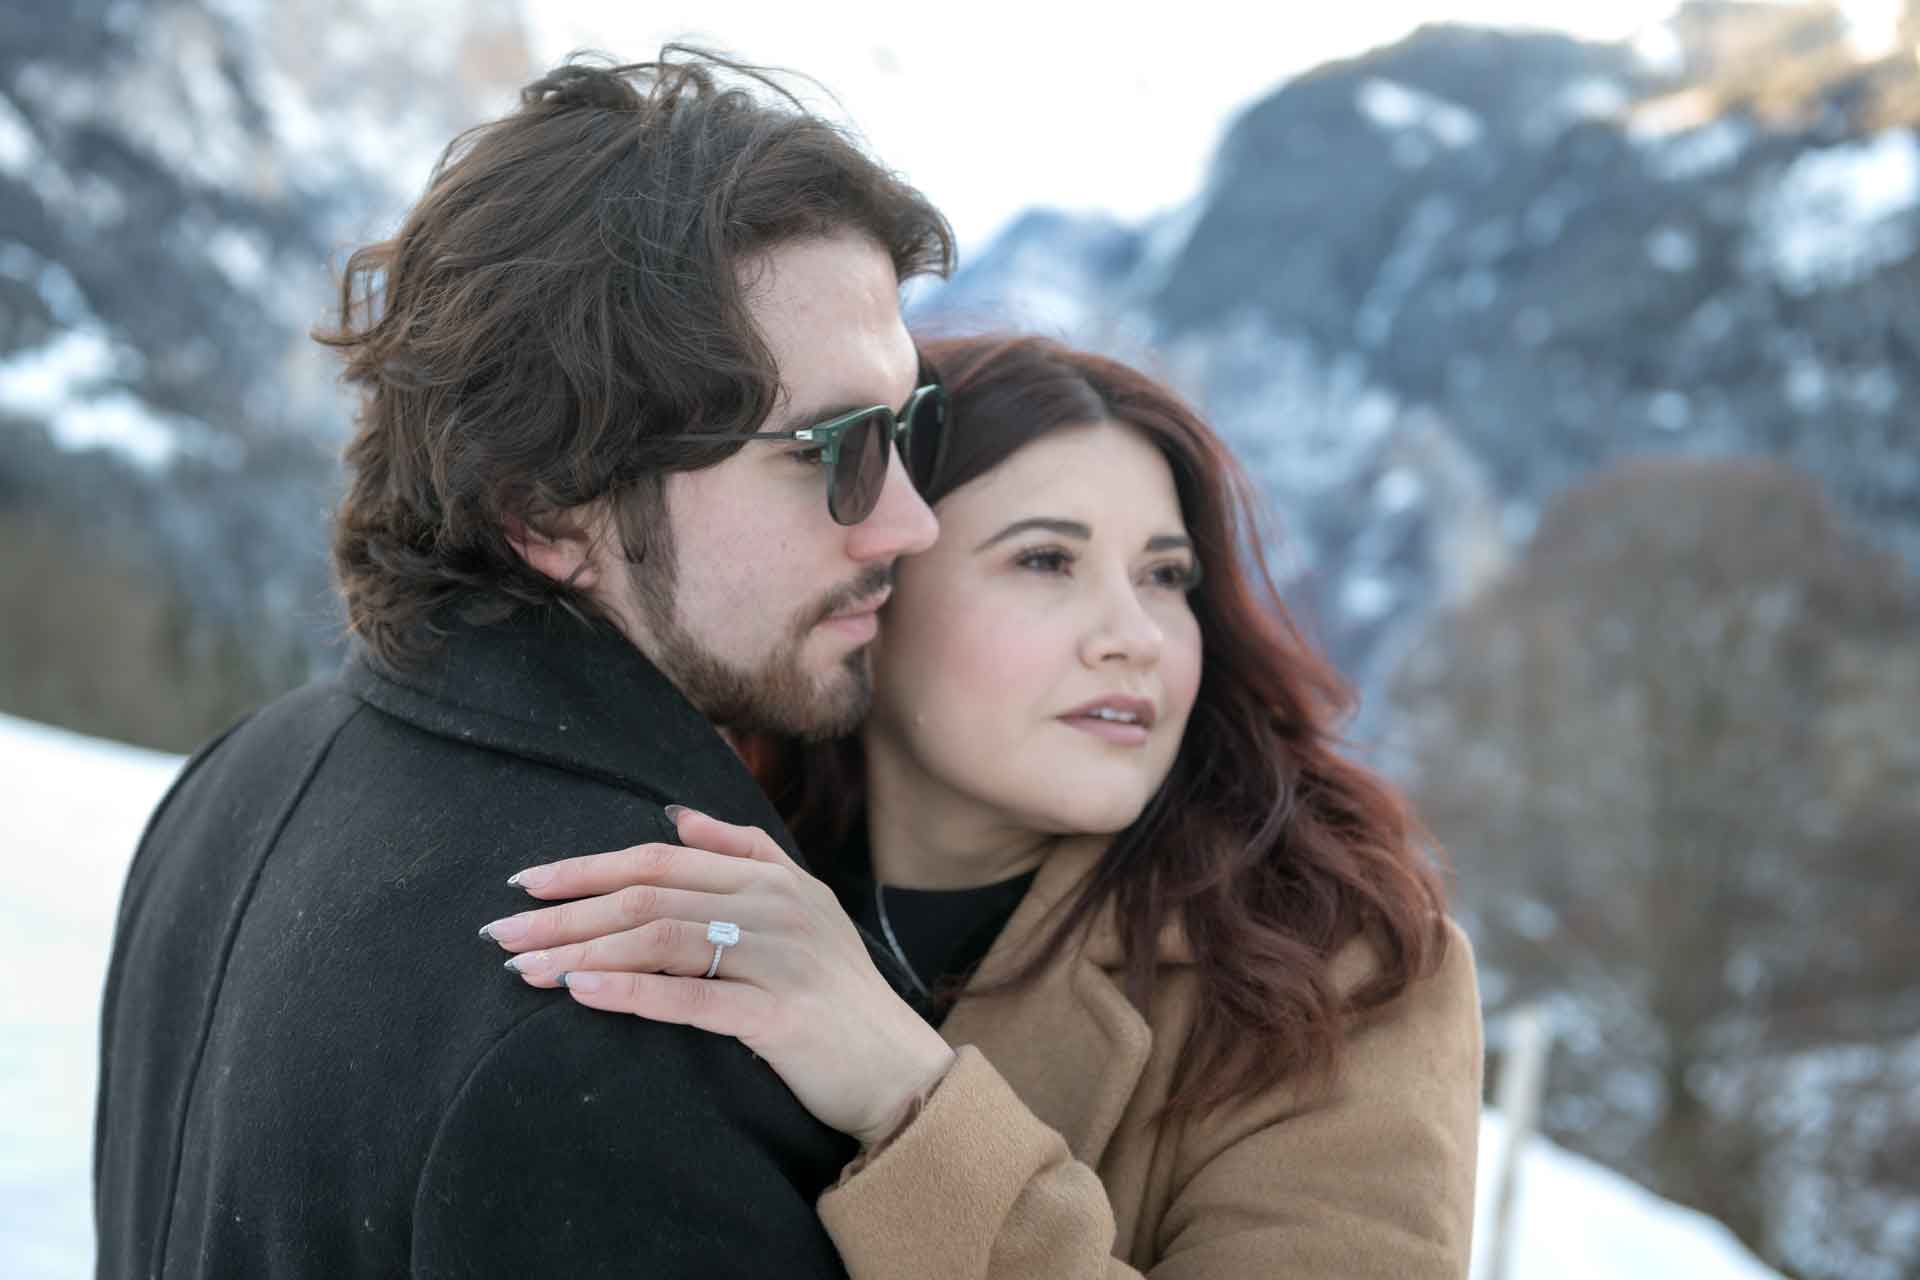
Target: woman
point(1199, 1009)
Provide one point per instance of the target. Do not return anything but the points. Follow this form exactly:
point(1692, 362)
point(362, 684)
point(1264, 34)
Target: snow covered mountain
point(1427, 288)
point(177, 179)
point(1421, 290)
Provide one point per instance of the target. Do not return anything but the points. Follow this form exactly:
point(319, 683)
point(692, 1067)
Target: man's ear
point(563, 553)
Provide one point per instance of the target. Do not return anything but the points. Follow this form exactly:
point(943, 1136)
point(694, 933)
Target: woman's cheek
point(986, 684)
point(1191, 656)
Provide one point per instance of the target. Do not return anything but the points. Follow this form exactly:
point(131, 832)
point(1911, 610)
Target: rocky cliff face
point(177, 179)
point(1426, 288)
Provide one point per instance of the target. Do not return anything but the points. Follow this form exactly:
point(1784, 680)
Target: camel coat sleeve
point(1372, 1178)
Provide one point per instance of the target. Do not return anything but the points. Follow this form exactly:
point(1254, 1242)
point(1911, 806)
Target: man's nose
point(902, 524)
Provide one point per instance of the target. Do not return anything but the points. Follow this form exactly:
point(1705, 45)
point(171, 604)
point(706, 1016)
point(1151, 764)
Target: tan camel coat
point(1036, 1157)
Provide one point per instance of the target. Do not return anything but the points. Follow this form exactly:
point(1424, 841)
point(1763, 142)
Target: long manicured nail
point(510, 929)
point(674, 811)
point(531, 878)
point(531, 960)
point(588, 982)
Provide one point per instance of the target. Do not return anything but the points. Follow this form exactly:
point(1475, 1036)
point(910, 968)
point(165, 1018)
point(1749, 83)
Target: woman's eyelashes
point(1049, 560)
point(1181, 575)
point(1178, 575)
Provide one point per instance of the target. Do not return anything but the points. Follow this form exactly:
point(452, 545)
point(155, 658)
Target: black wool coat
point(312, 1066)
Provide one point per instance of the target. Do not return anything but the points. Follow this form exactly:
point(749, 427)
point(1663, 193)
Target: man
point(563, 565)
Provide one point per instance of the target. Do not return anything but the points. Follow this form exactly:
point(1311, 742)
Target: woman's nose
point(1123, 631)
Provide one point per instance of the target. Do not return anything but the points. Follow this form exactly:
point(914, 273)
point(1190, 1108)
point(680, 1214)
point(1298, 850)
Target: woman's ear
point(563, 552)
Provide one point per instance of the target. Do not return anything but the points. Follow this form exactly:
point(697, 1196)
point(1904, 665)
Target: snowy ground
point(73, 808)
point(1577, 1220)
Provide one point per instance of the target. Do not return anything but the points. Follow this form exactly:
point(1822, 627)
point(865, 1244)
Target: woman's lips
point(1118, 732)
point(1123, 719)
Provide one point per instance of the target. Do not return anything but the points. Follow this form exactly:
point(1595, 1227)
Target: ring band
point(722, 935)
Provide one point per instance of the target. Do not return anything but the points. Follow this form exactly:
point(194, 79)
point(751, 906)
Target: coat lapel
point(1071, 1045)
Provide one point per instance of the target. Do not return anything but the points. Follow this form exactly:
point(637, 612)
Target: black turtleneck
point(944, 933)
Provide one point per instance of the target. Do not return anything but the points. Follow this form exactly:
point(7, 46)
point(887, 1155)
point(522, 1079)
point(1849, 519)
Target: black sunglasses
point(856, 446)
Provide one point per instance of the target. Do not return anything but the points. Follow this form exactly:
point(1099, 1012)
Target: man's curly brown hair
point(567, 291)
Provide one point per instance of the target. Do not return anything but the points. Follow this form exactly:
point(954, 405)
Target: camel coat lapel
point(1072, 1046)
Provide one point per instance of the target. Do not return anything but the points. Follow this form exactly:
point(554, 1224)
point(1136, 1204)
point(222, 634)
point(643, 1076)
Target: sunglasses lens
point(860, 472)
point(927, 438)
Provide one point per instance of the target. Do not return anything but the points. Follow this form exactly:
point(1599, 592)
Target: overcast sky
point(994, 105)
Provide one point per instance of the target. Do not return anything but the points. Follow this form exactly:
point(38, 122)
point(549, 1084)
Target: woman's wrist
point(929, 1067)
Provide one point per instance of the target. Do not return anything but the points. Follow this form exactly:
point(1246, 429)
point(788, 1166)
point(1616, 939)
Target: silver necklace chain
point(893, 943)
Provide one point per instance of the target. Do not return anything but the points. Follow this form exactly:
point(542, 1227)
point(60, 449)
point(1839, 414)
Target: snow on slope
point(74, 808)
point(1577, 1220)
point(71, 810)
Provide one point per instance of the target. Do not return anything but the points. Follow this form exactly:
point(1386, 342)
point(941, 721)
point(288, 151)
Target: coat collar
point(1072, 1045)
point(548, 687)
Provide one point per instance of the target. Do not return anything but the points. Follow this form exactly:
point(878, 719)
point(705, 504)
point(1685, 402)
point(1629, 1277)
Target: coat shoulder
point(1449, 968)
point(1377, 1160)
point(591, 1142)
point(1424, 1040)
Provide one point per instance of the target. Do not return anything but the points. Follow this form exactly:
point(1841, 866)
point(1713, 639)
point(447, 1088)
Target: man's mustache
point(865, 587)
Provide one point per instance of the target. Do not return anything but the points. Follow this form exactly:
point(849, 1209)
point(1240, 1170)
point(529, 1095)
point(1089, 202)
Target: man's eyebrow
point(813, 417)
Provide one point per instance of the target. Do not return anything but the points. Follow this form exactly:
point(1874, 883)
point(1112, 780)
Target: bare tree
point(105, 644)
point(1673, 756)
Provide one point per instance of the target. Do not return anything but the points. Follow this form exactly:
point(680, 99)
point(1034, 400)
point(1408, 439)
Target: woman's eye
point(1045, 560)
point(1181, 575)
point(814, 456)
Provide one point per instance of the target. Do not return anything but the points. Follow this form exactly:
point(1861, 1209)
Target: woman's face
point(1040, 662)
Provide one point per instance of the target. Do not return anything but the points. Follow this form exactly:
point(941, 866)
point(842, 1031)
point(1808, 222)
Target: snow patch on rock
point(1837, 215)
point(1392, 106)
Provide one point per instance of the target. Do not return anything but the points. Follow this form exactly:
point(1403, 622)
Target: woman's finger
point(724, 1008)
point(616, 912)
point(702, 832)
point(663, 864)
point(675, 947)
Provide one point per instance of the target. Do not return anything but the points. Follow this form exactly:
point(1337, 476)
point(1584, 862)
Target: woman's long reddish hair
point(1269, 847)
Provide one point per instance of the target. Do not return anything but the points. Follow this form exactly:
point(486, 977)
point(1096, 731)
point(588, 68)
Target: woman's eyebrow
point(1075, 529)
point(1065, 528)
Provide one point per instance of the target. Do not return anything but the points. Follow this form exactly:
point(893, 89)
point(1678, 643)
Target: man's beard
point(777, 695)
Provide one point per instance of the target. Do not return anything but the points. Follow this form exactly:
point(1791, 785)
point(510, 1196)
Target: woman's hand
point(799, 988)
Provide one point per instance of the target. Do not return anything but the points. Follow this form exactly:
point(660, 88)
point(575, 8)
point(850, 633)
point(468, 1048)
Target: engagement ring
point(722, 935)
